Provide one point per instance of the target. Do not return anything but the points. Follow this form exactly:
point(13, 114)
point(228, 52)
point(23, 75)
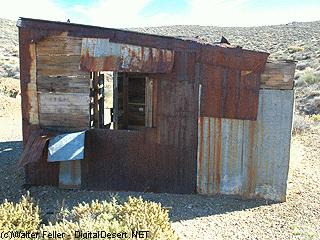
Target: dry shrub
point(315, 117)
point(301, 123)
point(137, 214)
point(23, 216)
point(112, 217)
point(294, 49)
point(310, 77)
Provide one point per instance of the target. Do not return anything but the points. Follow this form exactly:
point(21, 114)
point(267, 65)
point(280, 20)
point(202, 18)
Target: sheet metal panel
point(230, 79)
point(66, 147)
point(229, 93)
point(103, 55)
point(248, 158)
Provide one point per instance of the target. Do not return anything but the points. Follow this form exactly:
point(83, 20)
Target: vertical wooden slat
point(101, 100)
point(95, 86)
point(115, 100)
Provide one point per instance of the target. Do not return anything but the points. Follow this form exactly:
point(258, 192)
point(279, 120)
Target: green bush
point(22, 216)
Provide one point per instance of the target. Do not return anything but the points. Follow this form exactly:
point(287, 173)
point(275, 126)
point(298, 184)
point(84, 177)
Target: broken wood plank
point(278, 75)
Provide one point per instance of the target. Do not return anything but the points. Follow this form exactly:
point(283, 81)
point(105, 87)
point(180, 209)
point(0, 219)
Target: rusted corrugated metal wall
point(158, 159)
point(162, 158)
point(248, 158)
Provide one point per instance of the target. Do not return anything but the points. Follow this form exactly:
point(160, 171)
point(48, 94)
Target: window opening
point(120, 100)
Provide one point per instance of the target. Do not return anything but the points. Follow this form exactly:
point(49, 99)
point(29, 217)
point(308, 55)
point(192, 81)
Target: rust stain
point(226, 92)
point(130, 59)
point(200, 151)
point(218, 155)
point(209, 154)
point(251, 177)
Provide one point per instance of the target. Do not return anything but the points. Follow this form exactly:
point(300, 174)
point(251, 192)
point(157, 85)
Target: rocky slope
point(9, 54)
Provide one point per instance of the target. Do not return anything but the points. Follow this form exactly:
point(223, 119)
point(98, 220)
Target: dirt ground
point(193, 216)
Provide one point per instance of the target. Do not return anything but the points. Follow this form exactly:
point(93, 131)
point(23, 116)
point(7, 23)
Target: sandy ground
point(194, 216)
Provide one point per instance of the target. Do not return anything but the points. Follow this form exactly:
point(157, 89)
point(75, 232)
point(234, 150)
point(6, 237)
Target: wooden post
point(115, 101)
point(95, 85)
point(101, 100)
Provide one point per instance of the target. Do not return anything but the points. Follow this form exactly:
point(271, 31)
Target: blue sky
point(139, 13)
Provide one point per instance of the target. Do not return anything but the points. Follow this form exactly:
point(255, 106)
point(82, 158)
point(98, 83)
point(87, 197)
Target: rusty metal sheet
point(103, 55)
point(233, 57)
point(231, 83)
point(247, 158)
point(33, 149)
point(134, 161)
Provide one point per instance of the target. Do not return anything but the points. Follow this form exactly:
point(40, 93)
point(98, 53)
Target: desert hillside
point(295, 41)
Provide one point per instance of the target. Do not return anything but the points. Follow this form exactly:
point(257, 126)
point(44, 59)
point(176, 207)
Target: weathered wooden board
point(59, 45)
point(73, 121)
point(64, 109)
point(278, 75)
point(60, 103)
point(67, 84)
point(59, 66)
point(32, 88)
point(248, 158)
point(61, 69)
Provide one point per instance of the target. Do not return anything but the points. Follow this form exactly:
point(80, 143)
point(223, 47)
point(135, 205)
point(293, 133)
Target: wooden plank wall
point(63, 89)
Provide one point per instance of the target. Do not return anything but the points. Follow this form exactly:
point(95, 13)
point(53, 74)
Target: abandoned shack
point(187, 117)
